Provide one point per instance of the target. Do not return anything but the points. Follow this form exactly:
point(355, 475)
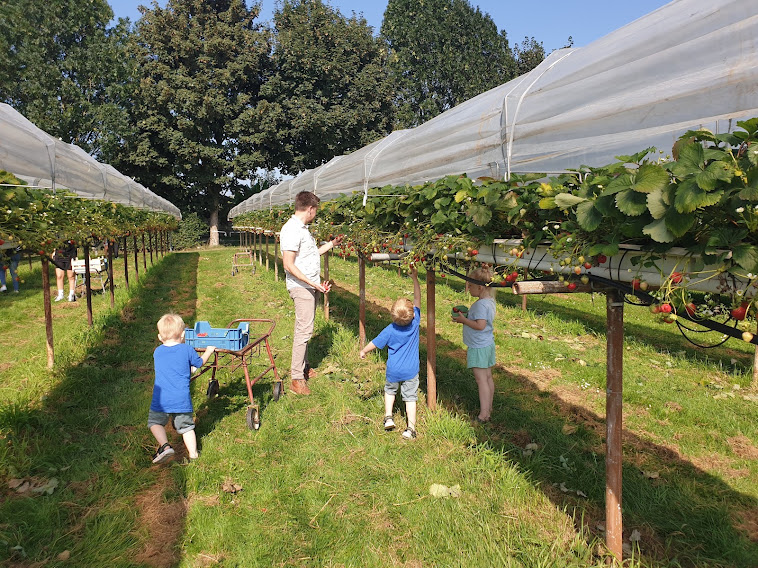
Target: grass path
point(321, 483)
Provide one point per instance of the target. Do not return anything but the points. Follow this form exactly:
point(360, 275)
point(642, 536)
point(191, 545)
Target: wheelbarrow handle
point(256, 320)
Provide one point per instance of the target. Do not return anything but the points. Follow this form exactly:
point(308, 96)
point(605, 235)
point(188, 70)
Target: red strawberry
point(676, 277)
point(739, 313)
point(690, 308)
point(601, 258)
point(666, 308)
point(571, 286)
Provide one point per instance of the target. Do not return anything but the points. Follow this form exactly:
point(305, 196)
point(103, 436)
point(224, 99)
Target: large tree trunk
point(213, 240)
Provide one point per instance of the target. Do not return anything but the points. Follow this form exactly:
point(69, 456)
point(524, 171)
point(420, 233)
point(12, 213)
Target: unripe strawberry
point(747, 336)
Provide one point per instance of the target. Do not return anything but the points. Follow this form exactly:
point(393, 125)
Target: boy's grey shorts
point(183, 421)
point(408, 389)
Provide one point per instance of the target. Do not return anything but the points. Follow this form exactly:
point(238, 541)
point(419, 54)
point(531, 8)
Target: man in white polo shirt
point(302, 263)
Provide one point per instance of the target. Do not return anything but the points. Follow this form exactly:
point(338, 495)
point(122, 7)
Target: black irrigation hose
point(710, 324)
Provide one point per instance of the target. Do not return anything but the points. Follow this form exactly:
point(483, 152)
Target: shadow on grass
point(89, 436)
point(686, 516)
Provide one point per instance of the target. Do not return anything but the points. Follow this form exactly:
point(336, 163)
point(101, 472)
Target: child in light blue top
point(479, 337)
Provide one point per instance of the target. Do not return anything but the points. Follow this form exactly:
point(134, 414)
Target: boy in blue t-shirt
point(401, 339)
point(171, 393)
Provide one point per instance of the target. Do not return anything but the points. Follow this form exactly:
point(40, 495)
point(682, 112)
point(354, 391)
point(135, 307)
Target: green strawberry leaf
point(658, 231)
point(631, 202)
point(588, 217)
point(649, 178)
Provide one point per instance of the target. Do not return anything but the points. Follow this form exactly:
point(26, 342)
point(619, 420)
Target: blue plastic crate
point(204, 335)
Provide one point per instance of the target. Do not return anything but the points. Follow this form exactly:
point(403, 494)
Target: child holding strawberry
point(479, 337)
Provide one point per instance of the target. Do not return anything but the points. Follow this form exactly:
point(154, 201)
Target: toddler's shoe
point(59, 297)
point(72, 297)
point(409, 433)
point(163, 453)
point(389, 424)
point(3, 288)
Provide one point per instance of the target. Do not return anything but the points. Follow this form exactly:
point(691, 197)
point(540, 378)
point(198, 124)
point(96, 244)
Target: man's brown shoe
point(299, 386)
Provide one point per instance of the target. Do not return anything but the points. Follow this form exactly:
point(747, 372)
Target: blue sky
point(548, 21)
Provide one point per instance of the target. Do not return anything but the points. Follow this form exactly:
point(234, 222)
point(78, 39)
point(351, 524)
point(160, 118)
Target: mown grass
point(321, 483)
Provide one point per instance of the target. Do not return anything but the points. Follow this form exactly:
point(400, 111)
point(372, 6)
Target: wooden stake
point(431, 341)
point(136, 258)
point(326, 277)
point(614, 421)
point(276, 258)
point(144, 255)
point(110, 272)
point(87, 283)
point(48, 312)
point(267, 239)
point(361, 301)
point(126, 264)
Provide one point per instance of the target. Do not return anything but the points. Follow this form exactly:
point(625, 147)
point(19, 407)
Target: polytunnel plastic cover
point(689, 64)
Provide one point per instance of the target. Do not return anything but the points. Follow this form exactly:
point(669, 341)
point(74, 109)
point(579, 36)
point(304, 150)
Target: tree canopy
point(441, 53)
point(62, 68)
point(328, 92)
point(200, 64)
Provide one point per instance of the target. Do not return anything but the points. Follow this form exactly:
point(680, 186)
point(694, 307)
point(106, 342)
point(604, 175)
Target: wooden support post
point(276, 258)
point(144, 253)
point(136, 258)
point(431, 341)
point(260, 249)
point(326, 277)
point(48, 311)
point(240, 240)
point(87, 283)
point(126, 264)
point(614, 421)
point(754, 383)
point(361, 301)
point(267, 239)
point(150, 244)
point(110, 272)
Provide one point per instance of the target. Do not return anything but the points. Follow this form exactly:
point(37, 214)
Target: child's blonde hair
point(171, 327)
point(483, 274)
point(402, 311)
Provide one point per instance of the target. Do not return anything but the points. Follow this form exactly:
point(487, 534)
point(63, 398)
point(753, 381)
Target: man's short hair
point(306, 199)
point(171, 326)
point(402, 312)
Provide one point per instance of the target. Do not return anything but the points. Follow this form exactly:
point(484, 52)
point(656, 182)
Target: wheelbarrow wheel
point(212, 391)
point(277, 390)
point(253, 418)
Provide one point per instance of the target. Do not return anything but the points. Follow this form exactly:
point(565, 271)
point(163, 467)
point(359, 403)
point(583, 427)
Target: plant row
point(41, 221)
point(702, 199)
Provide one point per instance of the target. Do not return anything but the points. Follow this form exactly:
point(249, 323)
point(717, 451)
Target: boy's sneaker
point(72, 297)
point(163, 453)
point(409, 433)
point(3, 288)
point(389, 424)
point(59, 297)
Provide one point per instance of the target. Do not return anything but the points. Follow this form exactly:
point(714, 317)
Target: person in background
point(174, 360)
point(479, 337)
point(401, 338)
point(301, 257)
point(62, 261)
point(10, 259)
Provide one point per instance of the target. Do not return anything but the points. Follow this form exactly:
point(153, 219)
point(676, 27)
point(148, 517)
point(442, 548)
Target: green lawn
point(321, 483)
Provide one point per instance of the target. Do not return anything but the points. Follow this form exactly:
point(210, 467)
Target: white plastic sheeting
point(43, 161)
point(687, 65)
